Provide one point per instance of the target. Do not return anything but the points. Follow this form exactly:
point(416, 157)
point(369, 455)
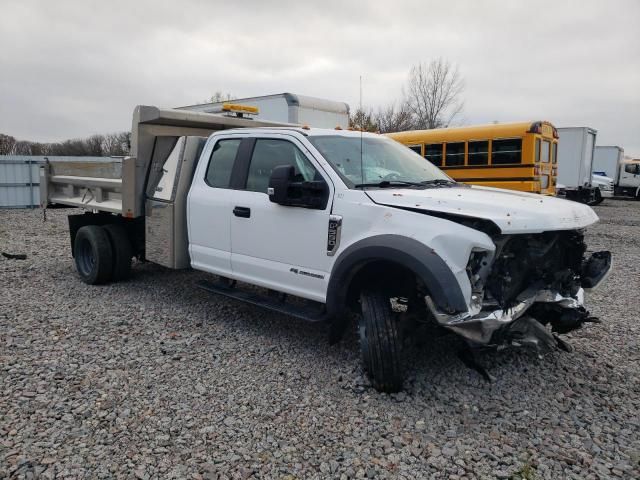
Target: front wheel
point(380, 341)
point(597, 198)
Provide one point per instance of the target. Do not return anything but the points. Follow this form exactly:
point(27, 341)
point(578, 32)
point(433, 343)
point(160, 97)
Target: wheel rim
point(85, 258)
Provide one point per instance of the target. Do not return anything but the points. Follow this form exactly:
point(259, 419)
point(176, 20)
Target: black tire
point(122, 251)
point(93, 255)
point(597, 198)
point(380, 341)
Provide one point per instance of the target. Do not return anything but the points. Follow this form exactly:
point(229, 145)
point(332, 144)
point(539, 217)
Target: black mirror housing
point(285, 190)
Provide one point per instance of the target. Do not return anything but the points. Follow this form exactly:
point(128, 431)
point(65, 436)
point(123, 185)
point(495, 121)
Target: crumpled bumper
point(525, 322)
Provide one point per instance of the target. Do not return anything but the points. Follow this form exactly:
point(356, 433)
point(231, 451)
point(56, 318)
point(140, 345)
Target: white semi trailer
point(289, 108)
point(575, 162)
point(610, 161)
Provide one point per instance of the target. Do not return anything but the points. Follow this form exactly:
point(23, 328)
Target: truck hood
point(511, 211)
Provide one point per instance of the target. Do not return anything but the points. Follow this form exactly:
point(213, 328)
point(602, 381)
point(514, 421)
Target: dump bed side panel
point(118, 185)
point(92, 184)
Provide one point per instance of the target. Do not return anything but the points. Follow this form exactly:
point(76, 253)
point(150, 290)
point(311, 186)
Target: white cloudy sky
point(74, 68)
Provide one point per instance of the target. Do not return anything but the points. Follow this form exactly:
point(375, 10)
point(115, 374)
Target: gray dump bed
point(118, 185)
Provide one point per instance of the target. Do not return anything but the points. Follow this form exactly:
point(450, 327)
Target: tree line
point(111, 144)
point(431, 98)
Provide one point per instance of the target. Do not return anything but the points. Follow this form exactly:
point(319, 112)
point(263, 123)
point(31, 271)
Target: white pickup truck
point(331, 225)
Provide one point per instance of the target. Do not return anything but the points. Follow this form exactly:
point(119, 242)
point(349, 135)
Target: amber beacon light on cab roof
point(517, 156)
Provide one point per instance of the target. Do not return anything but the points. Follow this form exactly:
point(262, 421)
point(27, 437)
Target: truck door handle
point(243, 212)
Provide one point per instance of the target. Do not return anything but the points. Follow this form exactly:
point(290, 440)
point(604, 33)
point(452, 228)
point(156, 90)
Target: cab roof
point(306, 131)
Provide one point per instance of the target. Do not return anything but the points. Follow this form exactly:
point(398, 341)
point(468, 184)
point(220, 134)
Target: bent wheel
point(380, 341)
point(93, 255)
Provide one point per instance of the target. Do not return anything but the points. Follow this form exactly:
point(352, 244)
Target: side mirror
point(279, 181)
point(284, 189)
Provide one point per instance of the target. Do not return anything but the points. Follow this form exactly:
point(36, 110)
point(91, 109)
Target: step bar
point(309, 313)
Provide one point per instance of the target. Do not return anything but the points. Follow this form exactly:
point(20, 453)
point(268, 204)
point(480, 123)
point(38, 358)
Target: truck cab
point(336, 225)
point(628, 183)
point(609, 160)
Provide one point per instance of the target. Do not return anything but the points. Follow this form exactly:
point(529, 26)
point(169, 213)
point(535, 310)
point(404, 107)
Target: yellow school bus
point(517, 156)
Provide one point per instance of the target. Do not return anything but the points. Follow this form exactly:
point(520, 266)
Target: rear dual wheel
point(102, 254)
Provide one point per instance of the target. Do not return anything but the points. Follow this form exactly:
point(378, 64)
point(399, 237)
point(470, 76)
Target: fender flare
point(411, 254)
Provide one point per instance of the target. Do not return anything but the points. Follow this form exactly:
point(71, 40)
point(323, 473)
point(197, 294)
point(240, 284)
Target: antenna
point(361, 128)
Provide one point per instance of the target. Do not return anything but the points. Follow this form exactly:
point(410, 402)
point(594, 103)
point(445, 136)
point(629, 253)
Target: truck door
point(630, 175)
point(209, 207)
point(276, 246)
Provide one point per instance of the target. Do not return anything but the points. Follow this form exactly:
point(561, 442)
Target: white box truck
point(610, 161)
point(575, 162)
point(280, 212)
point(289, 108)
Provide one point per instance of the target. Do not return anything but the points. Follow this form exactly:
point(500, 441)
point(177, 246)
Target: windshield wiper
point(390, 184)
point(439, 181)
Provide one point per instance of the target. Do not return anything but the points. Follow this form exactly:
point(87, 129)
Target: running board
point(304, 312)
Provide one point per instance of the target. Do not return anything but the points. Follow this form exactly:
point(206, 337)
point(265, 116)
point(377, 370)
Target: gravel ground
point(155, 378)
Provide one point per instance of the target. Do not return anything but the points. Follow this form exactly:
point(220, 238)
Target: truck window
point(544, 153)
point(506, 151)
point(270, 153)
point(416, 148)
point(631, 168)
point(164, 188)
point(433, 153)
point(221, 163)
point(454, 154)
point(478, 152)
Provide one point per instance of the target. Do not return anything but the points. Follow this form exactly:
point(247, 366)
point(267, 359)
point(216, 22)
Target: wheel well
point(397, 279)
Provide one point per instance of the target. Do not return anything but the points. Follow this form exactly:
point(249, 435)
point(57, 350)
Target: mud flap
point(595, 269)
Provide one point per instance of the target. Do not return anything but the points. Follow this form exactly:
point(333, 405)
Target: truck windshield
point(383, 162)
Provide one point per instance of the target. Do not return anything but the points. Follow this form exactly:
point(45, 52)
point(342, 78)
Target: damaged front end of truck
point(527, 292)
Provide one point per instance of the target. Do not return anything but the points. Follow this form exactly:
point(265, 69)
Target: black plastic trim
point(238, 180)
point(409, 253)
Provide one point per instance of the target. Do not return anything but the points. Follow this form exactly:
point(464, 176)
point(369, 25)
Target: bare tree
point(218, 96)
point(363, 119)
point(394, 118)
point(93, 145)
point(117, 144)
point(6, 144)
point(434, 93)
point(21, 147)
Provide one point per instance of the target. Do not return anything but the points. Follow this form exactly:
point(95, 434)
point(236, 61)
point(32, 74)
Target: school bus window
point(454, 154)
point(537, 154)
point(478, 152)
point(554, 153)
point(433, 153)
point(416, 148)
point(544, 153)
point(504, 152)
